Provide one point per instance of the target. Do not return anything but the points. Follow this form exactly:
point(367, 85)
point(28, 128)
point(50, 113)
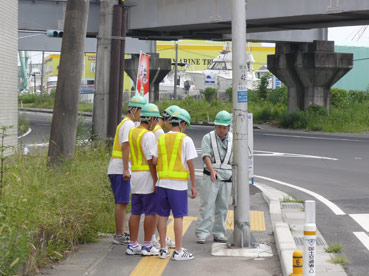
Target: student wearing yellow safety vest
point(141, 144)
point(173, 156)
point(119, 168)
point(216, 185)
point(163, 122)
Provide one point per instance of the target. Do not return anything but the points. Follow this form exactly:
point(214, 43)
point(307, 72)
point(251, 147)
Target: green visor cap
point(170, 110)
point(150, 110)
point(223, 118)
point(137, 101)
point(183, 115)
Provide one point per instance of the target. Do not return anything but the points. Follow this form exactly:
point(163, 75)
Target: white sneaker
point(183, 256)
point(163, 253)
point(149, 251)
point(133, 250)
point(156, 244)
point(170, 243)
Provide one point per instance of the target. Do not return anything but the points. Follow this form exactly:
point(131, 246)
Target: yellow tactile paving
point(257, 222)
point(154, 266)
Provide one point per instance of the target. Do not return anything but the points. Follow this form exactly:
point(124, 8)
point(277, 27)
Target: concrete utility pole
point(114, 72)
point(242, 235)
point(64, 122)
point(101, 96)
point(175, 71)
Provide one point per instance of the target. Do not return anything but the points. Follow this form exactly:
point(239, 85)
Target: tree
point(64, 122)
point(263, 86)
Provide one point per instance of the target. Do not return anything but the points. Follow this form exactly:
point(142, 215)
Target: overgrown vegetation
point(46, 213)
point(349, 111)
point(34, 101)
point(333, 248)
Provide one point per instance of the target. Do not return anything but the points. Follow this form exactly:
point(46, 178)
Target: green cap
point(137, 101)
point(223, 118)
point(183, 115)
point(168, 112)
point(150, 110)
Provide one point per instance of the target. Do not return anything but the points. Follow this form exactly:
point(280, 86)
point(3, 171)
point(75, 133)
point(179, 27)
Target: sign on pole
point(142, 83)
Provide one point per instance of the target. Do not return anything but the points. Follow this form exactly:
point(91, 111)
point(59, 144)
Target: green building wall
point(358, 77)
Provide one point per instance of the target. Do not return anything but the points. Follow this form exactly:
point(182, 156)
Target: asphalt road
point(333, 168)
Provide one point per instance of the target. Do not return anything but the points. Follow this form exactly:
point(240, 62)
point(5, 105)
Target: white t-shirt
point(142, 182)
point(157, 133)
point(116, 164)
point(188, 153)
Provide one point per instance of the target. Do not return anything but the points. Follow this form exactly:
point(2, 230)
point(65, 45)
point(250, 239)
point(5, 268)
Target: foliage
point(23, 124)
point(46, 213)
point(210, 94)
point(263, 86)
point(279, 95)
point(333, 248)
point(229, 92)
point(3, 149)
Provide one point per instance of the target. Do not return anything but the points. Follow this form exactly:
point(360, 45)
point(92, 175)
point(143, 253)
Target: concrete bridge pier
point(159, 68)
point(309, 70)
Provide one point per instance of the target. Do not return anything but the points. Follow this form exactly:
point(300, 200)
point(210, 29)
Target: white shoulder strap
point(214, 145)
point(225, 164)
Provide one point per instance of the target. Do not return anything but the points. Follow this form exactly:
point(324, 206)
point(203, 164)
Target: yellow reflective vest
point(117, 147)
point(170, 157)
point(138, 160)
point(157, 127)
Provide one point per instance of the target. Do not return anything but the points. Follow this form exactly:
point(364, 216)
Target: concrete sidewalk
point(103, 258)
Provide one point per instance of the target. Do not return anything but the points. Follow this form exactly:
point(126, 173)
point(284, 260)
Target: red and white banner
point(142, 84)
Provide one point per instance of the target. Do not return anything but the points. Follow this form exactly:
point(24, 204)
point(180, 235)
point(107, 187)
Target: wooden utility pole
point(64, 122)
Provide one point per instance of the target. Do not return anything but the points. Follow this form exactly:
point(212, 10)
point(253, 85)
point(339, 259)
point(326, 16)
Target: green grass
point(340, 259)
point(47, 213)
point(287, 199)
point(333, 248)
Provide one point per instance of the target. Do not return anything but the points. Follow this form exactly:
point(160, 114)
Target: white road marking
point(335, 209)
point(363, 237)
point(283, 154)
point(25, 134)
point(362, 219)
point(312, 137)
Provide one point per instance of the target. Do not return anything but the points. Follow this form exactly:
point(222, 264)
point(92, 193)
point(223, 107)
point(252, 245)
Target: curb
point(283, 237)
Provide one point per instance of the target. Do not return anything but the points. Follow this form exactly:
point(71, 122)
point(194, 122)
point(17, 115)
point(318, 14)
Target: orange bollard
point(297, 263)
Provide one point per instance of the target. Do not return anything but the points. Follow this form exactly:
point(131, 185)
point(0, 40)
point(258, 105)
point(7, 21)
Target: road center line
point(312, 137)
point(335, 209)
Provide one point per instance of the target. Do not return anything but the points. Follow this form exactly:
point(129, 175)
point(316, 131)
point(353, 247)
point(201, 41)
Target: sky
point(341, 35)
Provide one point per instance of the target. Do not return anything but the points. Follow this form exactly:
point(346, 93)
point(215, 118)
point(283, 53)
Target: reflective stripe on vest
point(157, 127)
point(138, 161)
point(218, 163)
point(170, 157)
point(117, 147)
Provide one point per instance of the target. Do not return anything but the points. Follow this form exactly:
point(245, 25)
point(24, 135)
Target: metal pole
point(42, 75)
point(175, 71)
point(242, 236)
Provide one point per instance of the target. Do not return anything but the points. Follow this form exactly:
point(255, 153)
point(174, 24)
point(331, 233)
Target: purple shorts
point(121, 189)
point(143, 204)
point(168, 199)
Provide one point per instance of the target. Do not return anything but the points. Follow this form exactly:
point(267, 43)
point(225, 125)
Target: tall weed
point(46, 213)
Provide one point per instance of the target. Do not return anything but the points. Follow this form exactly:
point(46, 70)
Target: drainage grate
point(300, 241)
point(292, 205)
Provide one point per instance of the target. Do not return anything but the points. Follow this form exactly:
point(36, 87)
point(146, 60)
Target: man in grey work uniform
point(216, 186)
